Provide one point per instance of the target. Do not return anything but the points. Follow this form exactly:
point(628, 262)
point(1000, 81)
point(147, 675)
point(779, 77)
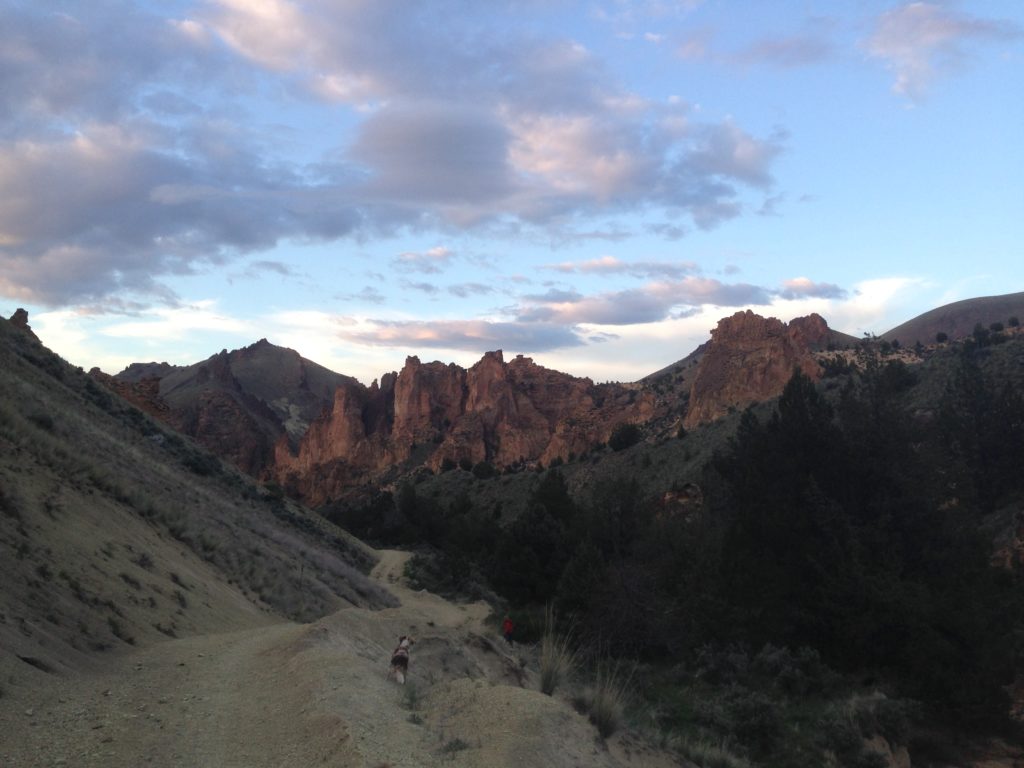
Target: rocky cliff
point(237, 404)
point(749, 359)
point(319, 434)
point(502, 413)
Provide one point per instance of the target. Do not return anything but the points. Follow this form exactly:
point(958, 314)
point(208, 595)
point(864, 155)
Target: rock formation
point(432, 413)
point(236, 404)
point(143, 393)
point(749, 359)
point(320, 434)
point(20, 321)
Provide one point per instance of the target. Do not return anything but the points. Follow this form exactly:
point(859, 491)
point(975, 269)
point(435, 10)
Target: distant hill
point(116, 531)
point(958, 319)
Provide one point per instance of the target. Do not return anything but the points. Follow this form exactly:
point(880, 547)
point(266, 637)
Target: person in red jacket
point(507, 628)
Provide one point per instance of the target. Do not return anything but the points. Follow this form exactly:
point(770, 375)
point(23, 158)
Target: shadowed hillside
point(115, 531)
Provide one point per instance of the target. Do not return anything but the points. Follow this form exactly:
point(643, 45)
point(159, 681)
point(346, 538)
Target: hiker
point(400, 659)
point(507, 627)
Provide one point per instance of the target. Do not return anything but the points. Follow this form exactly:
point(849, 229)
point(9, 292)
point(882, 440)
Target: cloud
point(554, 296)
point(134, 147)
point(549, 132)
point(770, 206)
point(803, 288)
point(432, 261)
point(726, 151)
point(668, 231)
point(267, 265)
point(695, 45)
point(369, 295)
point(178, 323)
point(478, 335)
point(465, 290)
point(55, 64)
point(610, 265)
point(918, 41)
point(427, 288)
point(811, 45)
point(649, 304)
point(874, 304)
point(786, 52)
point(435, 154)
point(105, 210)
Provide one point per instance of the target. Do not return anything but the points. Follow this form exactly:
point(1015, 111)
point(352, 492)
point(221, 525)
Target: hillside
point(116, 531)
point(958, 319)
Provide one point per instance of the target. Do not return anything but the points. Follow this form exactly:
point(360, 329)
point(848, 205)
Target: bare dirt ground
point(317, 694)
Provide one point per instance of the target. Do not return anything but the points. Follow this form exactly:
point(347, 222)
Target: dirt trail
point(302, 695)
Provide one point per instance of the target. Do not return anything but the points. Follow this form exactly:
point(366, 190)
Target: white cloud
point(871, 306)
point(179, 322)
point(918, 41)
point(431, 261)
point(802, 287)
point(611, 265)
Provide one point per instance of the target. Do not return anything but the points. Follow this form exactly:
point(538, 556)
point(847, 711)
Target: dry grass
point(605, 700)
point(557, 657)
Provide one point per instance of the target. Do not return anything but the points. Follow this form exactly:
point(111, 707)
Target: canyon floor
point(285, 694)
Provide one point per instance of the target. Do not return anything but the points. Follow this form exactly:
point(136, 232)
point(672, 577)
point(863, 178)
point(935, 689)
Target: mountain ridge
point(319, 434)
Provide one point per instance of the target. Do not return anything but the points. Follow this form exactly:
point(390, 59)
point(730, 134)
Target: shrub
point(453, 746)
point(42, 420)
point(757, 722)
point(624, 436)
point(203, 464)
point(483, 470)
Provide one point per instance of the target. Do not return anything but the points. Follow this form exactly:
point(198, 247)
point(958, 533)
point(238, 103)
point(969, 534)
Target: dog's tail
point(400, 676)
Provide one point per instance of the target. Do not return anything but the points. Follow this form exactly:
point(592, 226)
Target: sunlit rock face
point(498, 412)
point(749, 359)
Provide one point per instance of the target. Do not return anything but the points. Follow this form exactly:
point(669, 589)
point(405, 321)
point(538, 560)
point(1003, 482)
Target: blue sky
point(592, 184)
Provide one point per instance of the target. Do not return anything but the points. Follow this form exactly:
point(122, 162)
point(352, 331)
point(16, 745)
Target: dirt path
point(303, 695)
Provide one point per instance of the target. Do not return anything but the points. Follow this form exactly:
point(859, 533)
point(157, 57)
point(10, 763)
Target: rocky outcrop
point(20, 321)
point(432, 413)
point(749, 359)
point(143, 393)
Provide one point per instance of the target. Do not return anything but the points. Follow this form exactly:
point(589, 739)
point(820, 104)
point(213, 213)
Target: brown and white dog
point(400, 659)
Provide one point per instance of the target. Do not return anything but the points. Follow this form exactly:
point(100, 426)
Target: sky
point(592, 184)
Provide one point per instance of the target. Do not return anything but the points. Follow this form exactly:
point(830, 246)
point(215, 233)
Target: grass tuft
point(557, 657)
point(605, 701)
